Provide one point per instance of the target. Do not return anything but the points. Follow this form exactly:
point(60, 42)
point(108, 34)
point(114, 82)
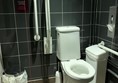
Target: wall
point(101, 14)
point(19, 49)
point(99, 29)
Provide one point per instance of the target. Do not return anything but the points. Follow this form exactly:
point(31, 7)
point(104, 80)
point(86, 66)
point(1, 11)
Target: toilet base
point(68, 79)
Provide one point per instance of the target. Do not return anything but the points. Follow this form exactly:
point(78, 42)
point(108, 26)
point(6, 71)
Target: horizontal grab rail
point(101, 45)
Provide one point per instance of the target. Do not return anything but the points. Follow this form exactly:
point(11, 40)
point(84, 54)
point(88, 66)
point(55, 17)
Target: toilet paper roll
point(110, 27)
point(57, 77)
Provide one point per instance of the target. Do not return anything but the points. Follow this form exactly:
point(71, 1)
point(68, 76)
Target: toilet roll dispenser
point(112, 21)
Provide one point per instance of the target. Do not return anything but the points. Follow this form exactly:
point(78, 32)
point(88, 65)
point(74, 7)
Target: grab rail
point(36, 36)
point(48, 39)
point(101, 45)
point(113, 73)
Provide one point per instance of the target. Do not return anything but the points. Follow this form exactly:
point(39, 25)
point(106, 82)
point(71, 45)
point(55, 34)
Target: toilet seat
point(78, 69)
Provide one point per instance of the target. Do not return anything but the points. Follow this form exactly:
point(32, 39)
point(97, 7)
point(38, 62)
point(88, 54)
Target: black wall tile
point(30, 20)
point(72, 5)
point(30, 47)
point(36, 72)
point(88, 5)
point(84, 42)
point(54, 33)
point(72, 19)
point(56, 5)
point(86, 30)
point(7, 35)
point(87, 18)
point(10, 49)
point(96, 5)
point(104, 18)
point(6, 6)
point(36, 59)
point(20, 20)
point(7, 21)
point(56, 19)
point(23, 48)
point(54, 43)
point(105, 4)
point(22, 35)
point(35, 47)
point(102, 33)
point(51, 70)
point(25, 61)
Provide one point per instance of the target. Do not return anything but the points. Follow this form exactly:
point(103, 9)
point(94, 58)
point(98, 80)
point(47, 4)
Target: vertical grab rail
point(36, 36)
point(48, 39)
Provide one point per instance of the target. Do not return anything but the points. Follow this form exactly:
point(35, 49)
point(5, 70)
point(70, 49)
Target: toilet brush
point(57, 77)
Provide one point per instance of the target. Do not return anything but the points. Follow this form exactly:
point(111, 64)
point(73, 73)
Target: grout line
point(26, 54)
point(18, 28)
point(97, 18)
point(79, 12)
point(114, 31)
point(62, 13)
point(36, 80)
point(55, 12)
point(100, 11)
point(82, 15)
point(116, 3)
point(90, 40)
point(17, 36)
point(82, 18)
point(104, 39)
point(23, 42)
point(27, 35)
point(33, 41)
point(101, 25)
point(41, 65)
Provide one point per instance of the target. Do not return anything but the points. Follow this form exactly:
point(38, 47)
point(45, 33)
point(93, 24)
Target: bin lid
point(95, 52)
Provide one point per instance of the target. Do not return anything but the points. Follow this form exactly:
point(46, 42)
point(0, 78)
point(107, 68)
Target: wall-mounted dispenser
point(112, 21)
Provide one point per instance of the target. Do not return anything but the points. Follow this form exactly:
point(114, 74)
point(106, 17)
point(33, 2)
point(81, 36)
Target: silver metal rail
point(36, 36)
point(113, 73)
point(101, 45)
point(48, 39)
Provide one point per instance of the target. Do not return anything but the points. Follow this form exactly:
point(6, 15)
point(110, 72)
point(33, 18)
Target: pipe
point(101, 45)
point(36, 36)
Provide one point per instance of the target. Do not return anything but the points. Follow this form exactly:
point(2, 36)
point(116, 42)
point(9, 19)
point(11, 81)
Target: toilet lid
point(78, 69)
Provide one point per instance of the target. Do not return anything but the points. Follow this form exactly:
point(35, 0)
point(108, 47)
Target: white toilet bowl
point(77, 70)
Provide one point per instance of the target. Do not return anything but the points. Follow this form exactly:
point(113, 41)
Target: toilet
point(75, 70)
point(97, 57)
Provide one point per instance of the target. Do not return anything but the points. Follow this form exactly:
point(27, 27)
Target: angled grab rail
point(101, 45)
point(36, 36)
